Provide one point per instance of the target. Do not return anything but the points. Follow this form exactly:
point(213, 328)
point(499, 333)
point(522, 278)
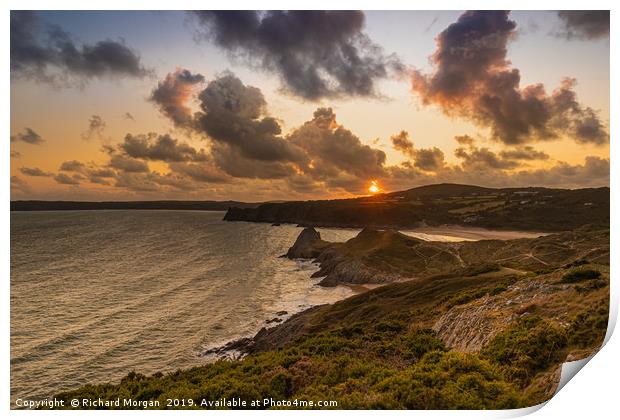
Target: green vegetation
point(528, 346)
point(580, 275)
point(467, 296)
point(589, 327)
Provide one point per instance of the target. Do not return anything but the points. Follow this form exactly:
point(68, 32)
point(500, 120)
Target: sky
point(258, 106)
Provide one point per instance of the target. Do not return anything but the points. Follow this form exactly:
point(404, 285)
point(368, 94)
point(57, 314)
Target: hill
point(535, 209)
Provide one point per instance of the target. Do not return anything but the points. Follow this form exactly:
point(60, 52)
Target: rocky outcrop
point(470, 327)
point(339, 270)
point(307, 245)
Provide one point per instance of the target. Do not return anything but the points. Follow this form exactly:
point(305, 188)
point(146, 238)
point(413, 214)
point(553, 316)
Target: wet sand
point(464, 233)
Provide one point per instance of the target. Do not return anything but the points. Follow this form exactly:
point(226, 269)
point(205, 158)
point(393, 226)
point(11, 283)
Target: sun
point(374, 188)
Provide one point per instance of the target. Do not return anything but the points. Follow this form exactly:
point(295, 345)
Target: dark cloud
point(92, 172)
point(429, 159)
point(160, 147)
point(331, 148)
point(15, 154)
point(97, 180)
point(128, 116)
point(34, 172)
point(201, 172)
point(96, 126)
point(172, 94)
point(65, 179)
point(233, 115)
point(248, 143)
point(128, 164)
point(403, 143)
point(584, 24)
point(44, 52)
point(28, 136)
point(102, 173)
point(316, 54)
point(72, 166)
point(473, 79)
point(235, 164)
point(483, 158)
point(524, 153)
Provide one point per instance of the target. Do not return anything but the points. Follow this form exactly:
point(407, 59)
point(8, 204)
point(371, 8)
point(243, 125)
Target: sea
point(97, 294)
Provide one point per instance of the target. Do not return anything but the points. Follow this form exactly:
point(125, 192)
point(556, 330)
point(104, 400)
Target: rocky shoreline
point(263, 339)
point(348, 264)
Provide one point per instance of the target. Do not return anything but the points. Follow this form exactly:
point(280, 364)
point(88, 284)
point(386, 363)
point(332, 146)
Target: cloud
point(101, 173)
point(66, 179)
point(172, 94)
point(465, 140)
point(235, 164)
point(72, 166)
point(15, 154)
point(316, 54)
point(152, 182)
point(473, 79)
point(34, 172)
point(429, 159)
point(331, 148)
point(202, 172)
point(96, 126)
point(403, 143)
point(28, 136)
point(44, 52)
point(584, 24)
point(483, 158)
point(234, 115)
point(128, 116)
point(92, 171)
point(594, 172)
point(128, 164)
point(19, 185)
point(524, 153)
point(160, 147)
point(245, 142)
point(317, 157)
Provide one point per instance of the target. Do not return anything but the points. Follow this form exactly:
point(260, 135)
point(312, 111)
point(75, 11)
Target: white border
point(592, 394)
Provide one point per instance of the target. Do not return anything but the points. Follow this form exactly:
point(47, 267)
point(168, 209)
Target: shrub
point(589, 327)
point(580, 275)
point(527, 347)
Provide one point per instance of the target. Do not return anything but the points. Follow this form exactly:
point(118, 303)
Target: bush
point(580, 275)
point(528, 346)
point(588, 328)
